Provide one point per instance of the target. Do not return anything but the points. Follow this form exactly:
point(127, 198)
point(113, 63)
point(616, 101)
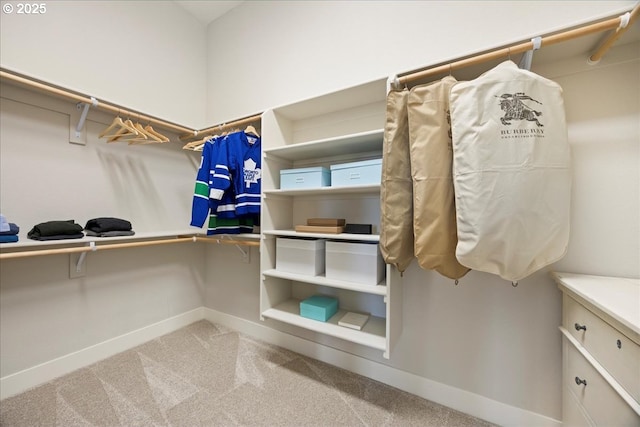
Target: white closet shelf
point(372, 335)
point(341, 236)
point(379, 289)
point(366, 93)
point(322, 191)
point(344, 144)
point(28, 247)
point(26, 243)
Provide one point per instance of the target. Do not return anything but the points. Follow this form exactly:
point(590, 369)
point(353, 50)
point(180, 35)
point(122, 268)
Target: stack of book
point(322, 225)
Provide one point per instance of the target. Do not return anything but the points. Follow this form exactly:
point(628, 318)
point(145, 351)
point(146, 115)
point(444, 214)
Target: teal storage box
point(367, 172)
point(319, 307)
point(305, 178)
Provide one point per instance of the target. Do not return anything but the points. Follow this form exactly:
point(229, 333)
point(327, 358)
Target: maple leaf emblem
point(251, 173)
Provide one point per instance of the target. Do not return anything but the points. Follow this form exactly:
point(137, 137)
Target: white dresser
point(600, 350)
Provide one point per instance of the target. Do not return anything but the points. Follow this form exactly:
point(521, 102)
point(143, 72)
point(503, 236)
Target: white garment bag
point(511, 172)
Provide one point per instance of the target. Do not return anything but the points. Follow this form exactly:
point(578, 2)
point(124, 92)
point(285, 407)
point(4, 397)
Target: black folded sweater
point(52, 230)
point(105, 224)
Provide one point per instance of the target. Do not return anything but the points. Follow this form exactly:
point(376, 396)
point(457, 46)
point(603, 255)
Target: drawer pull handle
point(580, 327)
point(579, 381)
point(619, 344)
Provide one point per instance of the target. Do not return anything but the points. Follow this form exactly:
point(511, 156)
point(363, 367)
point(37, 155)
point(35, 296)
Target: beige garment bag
point(396, 200)
point(511, 171)
point(434, 216)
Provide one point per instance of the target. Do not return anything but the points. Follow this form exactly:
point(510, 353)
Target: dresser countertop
point(618, 297)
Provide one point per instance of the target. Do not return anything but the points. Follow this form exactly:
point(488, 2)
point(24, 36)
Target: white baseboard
point(460, 400)
point(40, 374)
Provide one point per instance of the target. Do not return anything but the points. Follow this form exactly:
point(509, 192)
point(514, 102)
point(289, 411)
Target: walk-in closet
point(287, 213)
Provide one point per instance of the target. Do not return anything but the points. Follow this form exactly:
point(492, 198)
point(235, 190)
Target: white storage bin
point(357, 173)
point(354, 262)
point(301, 256)
point(305, 178)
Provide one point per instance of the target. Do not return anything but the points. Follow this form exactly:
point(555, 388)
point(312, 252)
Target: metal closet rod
point(93, 247)
point(222, 127)
point(609, 24)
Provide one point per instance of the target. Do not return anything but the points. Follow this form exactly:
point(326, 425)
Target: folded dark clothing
point(100, 225)
point(59, 237)
point(110, 233)
point(8, 238)
point(13, 230)
point(54, 228)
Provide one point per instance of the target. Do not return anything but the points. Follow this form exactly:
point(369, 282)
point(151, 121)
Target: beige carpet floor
point(209, 375)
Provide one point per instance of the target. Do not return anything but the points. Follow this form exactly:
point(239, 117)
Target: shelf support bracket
point(78, 134)
point(78, 268)
point(83, 255)
point(246, 255)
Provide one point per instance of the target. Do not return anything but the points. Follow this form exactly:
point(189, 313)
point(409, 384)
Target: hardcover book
point(333, 222)
point(354, 320)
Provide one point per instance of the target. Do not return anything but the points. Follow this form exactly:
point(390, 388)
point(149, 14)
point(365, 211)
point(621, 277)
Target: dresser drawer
point(616, 353)
point(600, 401)
point(573, 414)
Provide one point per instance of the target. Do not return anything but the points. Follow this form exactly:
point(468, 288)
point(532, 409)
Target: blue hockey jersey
point(219, 214)
point(238, 166)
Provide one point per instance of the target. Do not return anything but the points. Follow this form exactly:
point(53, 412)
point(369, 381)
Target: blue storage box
point(319, 307)
point(367, 172)
point(305, 178)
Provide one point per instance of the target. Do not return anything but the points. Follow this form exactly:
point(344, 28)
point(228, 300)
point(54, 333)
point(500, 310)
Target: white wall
point(270, 53)
point(146, 56)
point(44, 314)
point(483, 336)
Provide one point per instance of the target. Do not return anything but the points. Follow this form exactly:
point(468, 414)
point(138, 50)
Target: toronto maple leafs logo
point(515, 109)
point(251, 173)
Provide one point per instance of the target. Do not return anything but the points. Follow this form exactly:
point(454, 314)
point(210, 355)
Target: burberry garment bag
point(511, 172)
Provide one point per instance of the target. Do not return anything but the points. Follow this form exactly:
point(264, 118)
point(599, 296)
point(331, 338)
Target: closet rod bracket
point(78, 135)
point(246, 255)
point(79, 267)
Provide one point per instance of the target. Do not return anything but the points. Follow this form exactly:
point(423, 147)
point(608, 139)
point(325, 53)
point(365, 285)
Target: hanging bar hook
point(527, 57)
point(83, 116)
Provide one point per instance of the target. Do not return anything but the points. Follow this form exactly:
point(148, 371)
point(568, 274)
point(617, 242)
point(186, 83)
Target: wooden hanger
point(119, 127)
point(128, 129)
point(144, 137)
point(191, 145)
point(251, 130)
point(148, 137)
point(199, 144)
point(151, 131)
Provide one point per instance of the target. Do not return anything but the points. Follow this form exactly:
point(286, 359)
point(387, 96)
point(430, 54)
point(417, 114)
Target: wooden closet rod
point(222, 127)
point(92, 248)
point(505, 52)
point(614, 36)
point(228, 241)
point(4, 74)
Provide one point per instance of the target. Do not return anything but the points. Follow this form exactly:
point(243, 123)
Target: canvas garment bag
point(511, 172)
point(396, 199)
point(434, 214)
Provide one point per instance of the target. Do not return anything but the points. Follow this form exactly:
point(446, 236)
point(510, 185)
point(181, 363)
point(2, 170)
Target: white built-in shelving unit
point(341, 127)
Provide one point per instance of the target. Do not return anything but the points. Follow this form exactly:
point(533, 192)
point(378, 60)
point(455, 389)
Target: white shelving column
point(336, 128)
